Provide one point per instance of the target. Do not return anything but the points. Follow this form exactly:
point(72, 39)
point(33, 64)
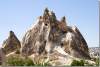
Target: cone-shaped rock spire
point(11, 44)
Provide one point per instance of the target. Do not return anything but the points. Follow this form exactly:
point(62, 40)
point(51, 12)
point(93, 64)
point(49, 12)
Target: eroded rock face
point(34, 40)
point(49, 33)
point(74, 43)
point(11, 43)
point(2, 57)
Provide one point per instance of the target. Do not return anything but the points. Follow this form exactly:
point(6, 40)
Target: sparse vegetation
point(20, 61)
point(97, 61)
point(41, 61)
point(77, 63)
point(84, 63)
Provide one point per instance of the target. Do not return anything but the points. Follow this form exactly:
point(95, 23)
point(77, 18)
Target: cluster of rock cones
point(49, 38)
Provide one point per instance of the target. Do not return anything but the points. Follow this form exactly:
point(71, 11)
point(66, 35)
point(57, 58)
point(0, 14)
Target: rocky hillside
point(50, 39)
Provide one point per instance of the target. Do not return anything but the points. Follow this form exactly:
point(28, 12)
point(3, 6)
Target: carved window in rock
point(46, 24)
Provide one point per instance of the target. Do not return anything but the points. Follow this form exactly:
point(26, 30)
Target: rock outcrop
point(49, 39)
point(48, 34)
point(11, 43)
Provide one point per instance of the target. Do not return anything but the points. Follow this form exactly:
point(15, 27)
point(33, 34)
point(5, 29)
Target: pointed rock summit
point(49, 33)
point(11, 43)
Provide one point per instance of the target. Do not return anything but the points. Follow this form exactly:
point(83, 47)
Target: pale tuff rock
point(11, 43)
point(49, 33)
point(2, 57)
point(35, 39)
point(50, 40)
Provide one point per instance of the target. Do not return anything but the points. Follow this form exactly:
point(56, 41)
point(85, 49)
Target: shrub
point(77, 63)
point(41, 62)
point(17, 51)
point(28, 62)
point(18, 61)
point(21, 61)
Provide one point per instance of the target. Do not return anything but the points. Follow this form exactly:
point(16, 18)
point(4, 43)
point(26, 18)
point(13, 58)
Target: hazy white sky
point(18, 15)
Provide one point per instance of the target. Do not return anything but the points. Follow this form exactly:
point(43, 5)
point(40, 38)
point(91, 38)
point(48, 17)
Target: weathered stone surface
point(11, 43)
point(48, 30)
point(50, 34)
point(2, 57)
point(75, 44)
point(35, 39)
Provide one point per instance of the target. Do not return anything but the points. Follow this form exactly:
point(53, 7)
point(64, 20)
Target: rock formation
point(11, 43)
point(51, 40)
point(49, 33)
